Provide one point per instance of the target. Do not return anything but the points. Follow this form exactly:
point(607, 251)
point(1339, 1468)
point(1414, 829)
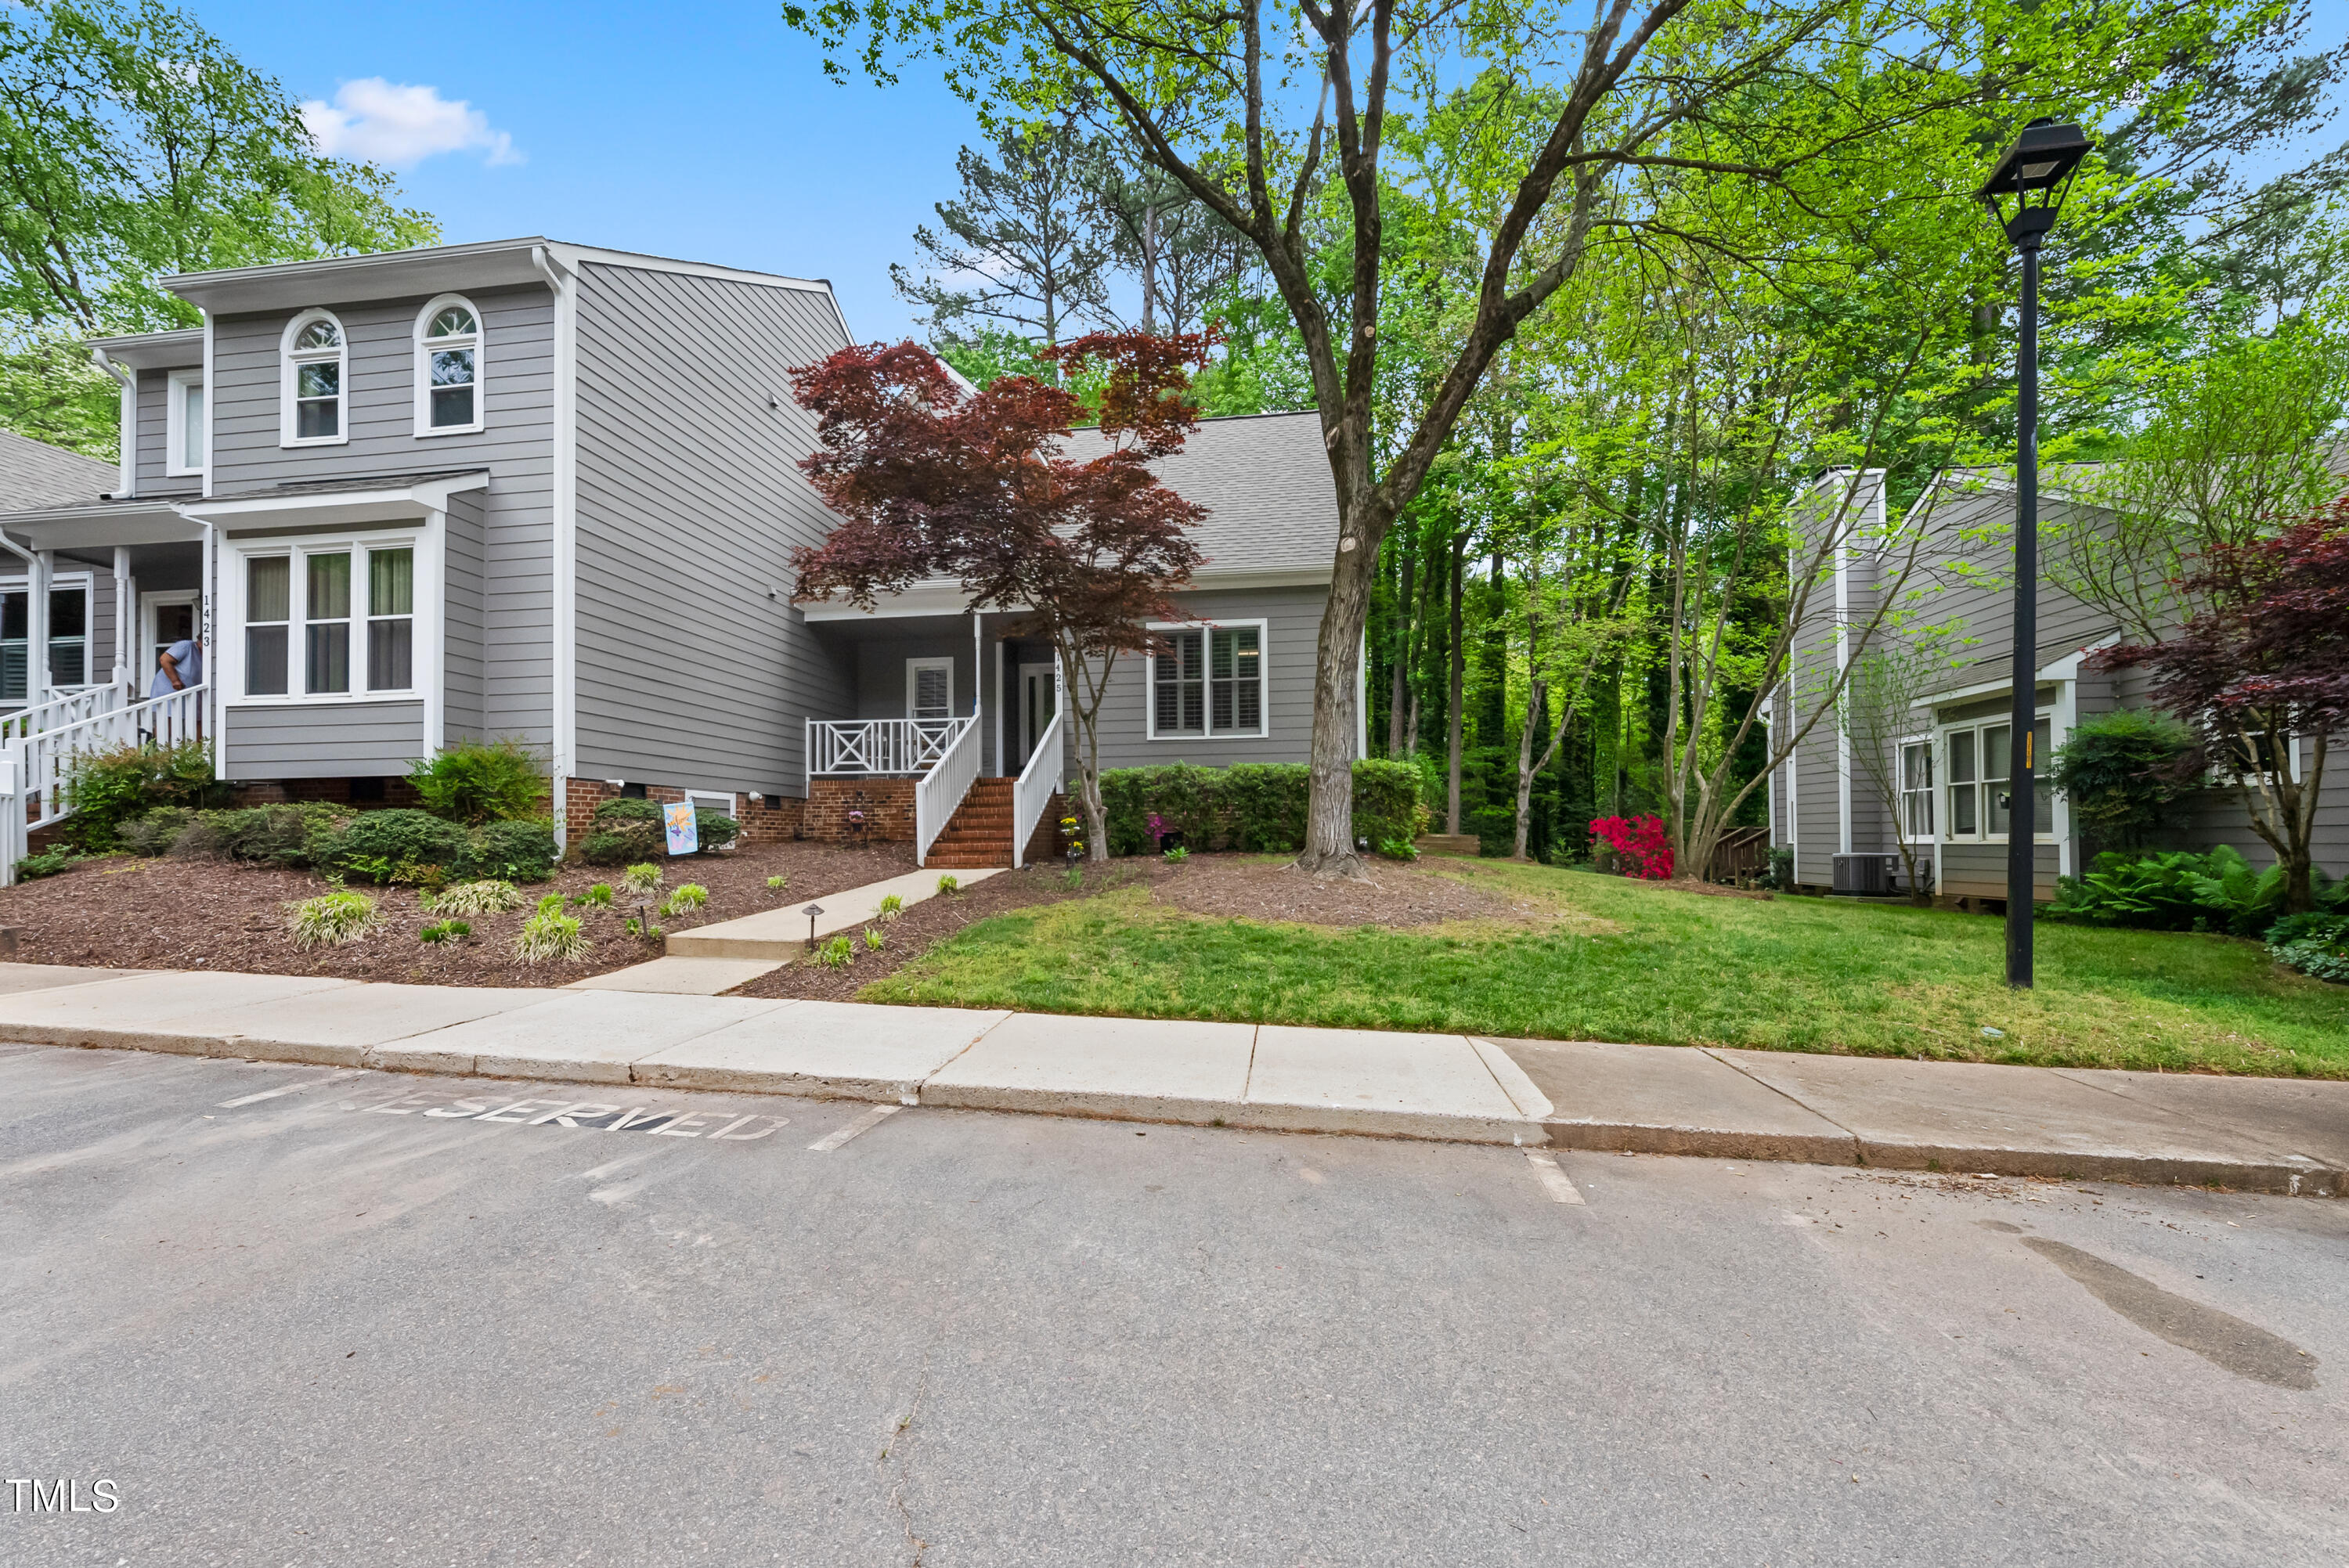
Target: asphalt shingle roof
point(1265, 481)
point(35, 474)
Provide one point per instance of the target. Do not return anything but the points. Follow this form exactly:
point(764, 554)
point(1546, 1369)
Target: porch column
point(126, 628)
point(37, 627)
point(1002, 763)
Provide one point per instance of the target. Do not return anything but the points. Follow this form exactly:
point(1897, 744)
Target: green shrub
point(47, 863)
point(155, 833)
point(2316, 944)
point(394, 846)
point(1178, 855)
point(330, 920)
point(598, 896)
point(713, 831)
point(949, 884)
point(512, 849)
point(1254, 805)
point(551, 936)
point(104, 789)
point(282, 835)
point(478, 781)
point(779, 882)
point(1397, 849)
point(837, 953)
point(2175, 891)
point(485, 897)
point(446, 931)
point(2124, 773)
point(621, 832)
point(625, 810)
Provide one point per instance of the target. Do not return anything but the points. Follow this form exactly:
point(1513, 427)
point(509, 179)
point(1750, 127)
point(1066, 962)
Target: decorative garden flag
point(684, 833)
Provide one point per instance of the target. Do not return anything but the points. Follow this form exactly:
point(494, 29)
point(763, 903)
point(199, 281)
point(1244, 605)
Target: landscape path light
point(811, 911)
point(2034, 177)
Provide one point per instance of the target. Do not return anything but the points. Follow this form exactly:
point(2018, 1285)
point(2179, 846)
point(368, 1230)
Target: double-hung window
point(1916, 789)
point(447, 367)
point(68, 639)
point(1981, 802)
point(1207, 681)
point(183, 424)
point(330, 621)
point(316, 369)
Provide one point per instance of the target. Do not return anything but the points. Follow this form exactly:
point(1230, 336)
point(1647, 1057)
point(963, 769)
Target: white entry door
point(1038, 697)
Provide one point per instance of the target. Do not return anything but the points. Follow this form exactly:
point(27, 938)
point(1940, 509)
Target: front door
point(1039, 698)
point(170, 618)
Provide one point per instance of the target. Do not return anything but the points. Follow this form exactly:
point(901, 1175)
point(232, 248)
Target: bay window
point(1207, 681)
point(354, 604)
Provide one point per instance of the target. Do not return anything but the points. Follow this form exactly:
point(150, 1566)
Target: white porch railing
point(1039, 782)
point(34, 768)
point(879, 746)
point(60, 711)
point(941, 790)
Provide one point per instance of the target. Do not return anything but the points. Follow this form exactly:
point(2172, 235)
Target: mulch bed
point(119, 913)
point(1249, 887)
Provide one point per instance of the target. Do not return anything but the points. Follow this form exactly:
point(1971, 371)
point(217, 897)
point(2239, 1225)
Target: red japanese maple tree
point(2262, 668)
point(999, 491)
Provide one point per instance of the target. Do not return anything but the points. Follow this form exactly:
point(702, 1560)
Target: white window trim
point(88, 582)
point(2058, 825)
point(425, 429)
point(944, 662)
point(143, 676)
point(425, 614)
point(175, 424)
point(1263, 731)
point(286, 423)
point(712, 800)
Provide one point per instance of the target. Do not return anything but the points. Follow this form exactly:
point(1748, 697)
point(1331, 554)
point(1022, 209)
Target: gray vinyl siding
point(153, 435)
point(323, 740)
point(516, 551)
point(1292, 630)
point(880, 672)
point(694, 667)
point(1979, 871)
point(461, 632)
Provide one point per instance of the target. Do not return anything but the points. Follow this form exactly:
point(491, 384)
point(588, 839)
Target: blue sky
point(695, 130)
point(701, 131)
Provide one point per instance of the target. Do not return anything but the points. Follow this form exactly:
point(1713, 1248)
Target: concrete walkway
point(2261, 1134)
point(709, 960)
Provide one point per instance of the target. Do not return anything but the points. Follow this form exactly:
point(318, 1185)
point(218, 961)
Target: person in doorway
point(178, 667)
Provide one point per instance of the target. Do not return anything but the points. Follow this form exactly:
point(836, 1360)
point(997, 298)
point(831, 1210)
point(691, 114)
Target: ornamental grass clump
point(330, 920)
point(684, 899)
point(446, 931)
point(874, 939)
point(892, 906)
point(837, 953)
point(641, 877)
point(597, 896)
point(779, 882)
point(948, 884)
point(551, 936)
point(488, 897)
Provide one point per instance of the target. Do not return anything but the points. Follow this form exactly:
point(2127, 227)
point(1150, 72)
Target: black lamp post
point(2036, 173)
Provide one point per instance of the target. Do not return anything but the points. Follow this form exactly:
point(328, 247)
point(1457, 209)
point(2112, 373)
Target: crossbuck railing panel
point(941, 790)
point(35, 768)
point(879, 746)
point(1039, 782)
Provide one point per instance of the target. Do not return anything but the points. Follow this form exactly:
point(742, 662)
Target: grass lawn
point(1610, 959)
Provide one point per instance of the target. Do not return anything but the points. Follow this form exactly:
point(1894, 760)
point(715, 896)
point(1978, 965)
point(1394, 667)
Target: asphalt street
point(377, 1319)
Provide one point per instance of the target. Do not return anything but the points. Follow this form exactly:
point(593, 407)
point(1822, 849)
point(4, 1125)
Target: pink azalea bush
point(1640, 843)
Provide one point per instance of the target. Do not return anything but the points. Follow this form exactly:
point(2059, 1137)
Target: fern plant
point(331, 920)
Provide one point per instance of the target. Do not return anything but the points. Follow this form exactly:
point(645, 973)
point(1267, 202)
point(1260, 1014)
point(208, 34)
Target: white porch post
point(1002, 759)
point(37, 628)
point(126, 629)
point(207, 599)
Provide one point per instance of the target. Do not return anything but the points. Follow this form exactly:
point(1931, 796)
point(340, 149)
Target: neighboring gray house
point(1947, 762)
point(533, 489)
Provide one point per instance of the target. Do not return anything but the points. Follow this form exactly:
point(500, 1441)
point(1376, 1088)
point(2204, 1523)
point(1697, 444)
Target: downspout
point(207, 597)
point(125, 442)
point(565, 654)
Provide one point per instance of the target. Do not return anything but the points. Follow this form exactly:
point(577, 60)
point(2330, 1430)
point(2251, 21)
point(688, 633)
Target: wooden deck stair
point(980, 833)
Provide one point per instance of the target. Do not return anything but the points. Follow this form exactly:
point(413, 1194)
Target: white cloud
point(377, 122)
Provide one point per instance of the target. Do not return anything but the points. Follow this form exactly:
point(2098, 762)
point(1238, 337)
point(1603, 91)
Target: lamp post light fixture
point(2036, 173)
point(811, 911)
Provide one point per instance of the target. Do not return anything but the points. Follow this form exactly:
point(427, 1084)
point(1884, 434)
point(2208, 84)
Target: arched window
point(317, 362)
point(448, 366)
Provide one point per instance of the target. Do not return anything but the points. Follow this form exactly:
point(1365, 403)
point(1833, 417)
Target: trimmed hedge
point(1251, 806)
point(623, 832)
point(371, 846)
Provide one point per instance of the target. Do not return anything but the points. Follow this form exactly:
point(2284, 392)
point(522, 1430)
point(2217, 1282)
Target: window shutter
point(933, 692)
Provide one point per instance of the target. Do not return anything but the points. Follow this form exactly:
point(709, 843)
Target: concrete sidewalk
point(2257, 1134)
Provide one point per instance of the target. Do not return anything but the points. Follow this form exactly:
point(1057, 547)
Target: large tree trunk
point(1537, 693)
point(1329, 806)
point(1459, 672)
point(1085, 709)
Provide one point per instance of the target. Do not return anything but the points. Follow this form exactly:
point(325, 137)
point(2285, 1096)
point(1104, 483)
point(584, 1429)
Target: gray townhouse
point(1946, 763)
point(532, 489)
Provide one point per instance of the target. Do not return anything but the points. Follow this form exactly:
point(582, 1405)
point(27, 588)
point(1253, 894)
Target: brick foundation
point(328, 791)
point(774, 819)
point(888, 805)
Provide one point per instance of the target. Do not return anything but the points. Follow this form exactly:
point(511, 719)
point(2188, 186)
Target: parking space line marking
point(866, 1123)
point(1554, 1181)
point(286, 1088)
